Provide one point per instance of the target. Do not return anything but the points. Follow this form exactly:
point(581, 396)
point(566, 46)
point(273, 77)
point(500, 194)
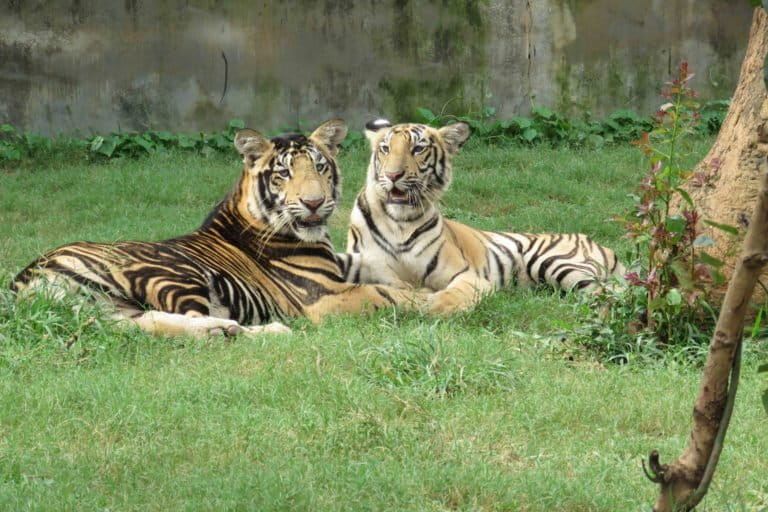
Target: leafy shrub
point(118, 145)
point(16, 146)
point(665, 302)
point(547, 126)
point(542, 126)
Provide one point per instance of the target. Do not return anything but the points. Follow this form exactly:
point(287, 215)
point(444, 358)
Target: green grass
point(484, 411)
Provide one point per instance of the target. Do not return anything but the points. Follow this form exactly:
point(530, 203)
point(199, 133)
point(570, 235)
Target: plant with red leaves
point(665, 301)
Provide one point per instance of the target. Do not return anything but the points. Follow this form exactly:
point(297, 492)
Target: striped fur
point(262, 254)
point(398, 236)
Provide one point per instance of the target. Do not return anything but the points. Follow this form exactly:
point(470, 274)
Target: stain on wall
point(88, 66)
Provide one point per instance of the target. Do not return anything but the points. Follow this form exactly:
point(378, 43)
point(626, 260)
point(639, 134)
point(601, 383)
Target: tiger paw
point(201, 327)
point(273, 328)
point(445, 303)
point(417, 299)
point(229, 330)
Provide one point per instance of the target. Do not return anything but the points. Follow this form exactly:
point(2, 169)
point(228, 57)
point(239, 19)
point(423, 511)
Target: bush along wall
point(547, 126)
point(543, 126)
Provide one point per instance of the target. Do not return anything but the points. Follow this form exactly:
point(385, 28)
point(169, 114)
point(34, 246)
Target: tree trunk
point(726, 180)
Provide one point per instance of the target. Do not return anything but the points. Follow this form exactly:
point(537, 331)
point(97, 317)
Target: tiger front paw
point(417, 299)
point(272, 328)
point(445, 303)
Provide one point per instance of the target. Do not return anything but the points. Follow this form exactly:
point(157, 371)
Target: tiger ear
point(331, 134)
point(454, 135)
point(252, 145)
point(373, 128)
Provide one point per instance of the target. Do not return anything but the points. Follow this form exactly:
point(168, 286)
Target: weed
point(665, 303)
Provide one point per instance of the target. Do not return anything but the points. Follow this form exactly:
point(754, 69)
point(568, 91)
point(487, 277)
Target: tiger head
point(291, 183)
point(410, 165)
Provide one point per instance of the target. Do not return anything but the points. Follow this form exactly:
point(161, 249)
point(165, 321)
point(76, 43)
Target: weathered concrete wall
point(95, 66)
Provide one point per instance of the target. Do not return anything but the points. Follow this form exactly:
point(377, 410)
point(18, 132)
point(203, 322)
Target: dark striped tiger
point(262, 254)
point(398, 236)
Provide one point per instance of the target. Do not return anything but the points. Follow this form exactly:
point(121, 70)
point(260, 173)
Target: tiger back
point(398, 235)
point(262, 254)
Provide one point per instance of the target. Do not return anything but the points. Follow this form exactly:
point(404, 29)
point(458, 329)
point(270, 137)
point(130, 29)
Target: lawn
point(490, 410)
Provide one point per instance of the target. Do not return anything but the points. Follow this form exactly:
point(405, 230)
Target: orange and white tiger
point(398, 236)
point(262, 255)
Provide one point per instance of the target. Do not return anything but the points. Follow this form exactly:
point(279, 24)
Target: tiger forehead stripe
point(416, 132)
point(413, 132)
point(315, 154)
point(286, 158)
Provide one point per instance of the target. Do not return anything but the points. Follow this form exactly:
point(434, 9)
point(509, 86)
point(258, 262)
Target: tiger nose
point(313, 204)
point(393, 177)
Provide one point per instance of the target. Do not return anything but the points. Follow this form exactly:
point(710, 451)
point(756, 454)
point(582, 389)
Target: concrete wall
point(98, 66)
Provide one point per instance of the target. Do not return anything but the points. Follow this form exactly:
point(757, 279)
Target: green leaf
point(238, 124)
point(763, 368)
point(6, 128)
point(685, 196)
point(523, 122)
point(710, 260)
point(143, 143)
point(97, 142)
point(425, 115)
point(674, 298)
point(717, 277)
point(543, 112)
point(107, 148)
point(724, 227)
point(675, 225)
point(530, 133)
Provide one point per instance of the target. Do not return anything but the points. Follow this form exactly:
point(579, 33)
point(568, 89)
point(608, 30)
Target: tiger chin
point(261, 255)
point(398, 235)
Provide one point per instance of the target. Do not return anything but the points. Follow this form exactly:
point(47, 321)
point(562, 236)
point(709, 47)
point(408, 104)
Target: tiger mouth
point(311, 221)
point(397, 196)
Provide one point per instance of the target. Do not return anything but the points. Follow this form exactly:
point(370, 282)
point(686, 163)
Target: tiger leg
point(588, 277)
point(461, 294)
point(174, 324)
point(365, 298)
